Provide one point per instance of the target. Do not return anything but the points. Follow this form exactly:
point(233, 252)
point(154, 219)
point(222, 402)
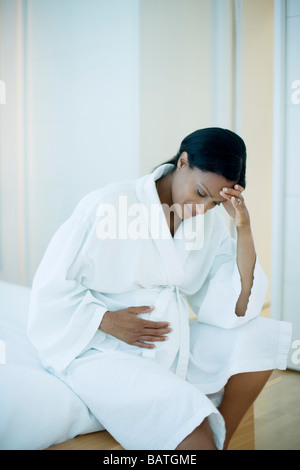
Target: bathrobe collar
point(172, 250)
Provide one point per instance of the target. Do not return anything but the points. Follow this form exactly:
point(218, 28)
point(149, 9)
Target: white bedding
point(37, 410)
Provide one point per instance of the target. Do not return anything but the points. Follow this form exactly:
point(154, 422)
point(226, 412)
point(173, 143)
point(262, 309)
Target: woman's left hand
point(236, 210)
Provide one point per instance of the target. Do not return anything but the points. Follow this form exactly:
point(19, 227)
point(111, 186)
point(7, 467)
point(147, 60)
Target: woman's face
point(195, 191)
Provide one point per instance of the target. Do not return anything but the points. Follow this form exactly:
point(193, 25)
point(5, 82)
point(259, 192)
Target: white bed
point(36, 409)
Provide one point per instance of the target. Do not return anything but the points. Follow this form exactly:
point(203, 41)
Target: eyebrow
point(201, 184)
point(206, 189)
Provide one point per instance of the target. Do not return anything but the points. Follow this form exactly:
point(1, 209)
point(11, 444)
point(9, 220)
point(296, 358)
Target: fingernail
point(236, 186)
point(224, 189)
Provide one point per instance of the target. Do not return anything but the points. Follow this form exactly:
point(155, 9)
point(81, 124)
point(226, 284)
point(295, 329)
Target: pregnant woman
point(109, 311)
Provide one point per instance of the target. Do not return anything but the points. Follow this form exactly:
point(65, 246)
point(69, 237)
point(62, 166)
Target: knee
point(199, 439)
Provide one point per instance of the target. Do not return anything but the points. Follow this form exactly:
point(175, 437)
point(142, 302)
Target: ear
point(183, 160)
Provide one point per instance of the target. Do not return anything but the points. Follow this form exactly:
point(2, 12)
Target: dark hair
point(216, 150)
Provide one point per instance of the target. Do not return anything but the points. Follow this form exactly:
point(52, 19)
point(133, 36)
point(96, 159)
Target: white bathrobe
point(96, 263)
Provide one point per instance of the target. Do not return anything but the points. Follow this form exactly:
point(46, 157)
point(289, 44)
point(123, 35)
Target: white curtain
point(286, 193)
point(70, 121)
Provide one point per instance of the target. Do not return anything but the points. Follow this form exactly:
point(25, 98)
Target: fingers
point(141, 309)
point(154, 329)
point(239, 188)
point(150, 339)
point(228, 192)
point(237, 202)
point(140, 344)
point(148, 330)
point(153, 339)
point(148, 323)
point(233, 194)
point(155, 335)
point(157, 332)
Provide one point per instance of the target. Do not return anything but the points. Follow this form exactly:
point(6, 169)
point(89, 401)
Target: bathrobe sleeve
point(215, 301)
point(63, 314)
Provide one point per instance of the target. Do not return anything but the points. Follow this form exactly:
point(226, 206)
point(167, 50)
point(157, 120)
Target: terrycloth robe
point(116, 251)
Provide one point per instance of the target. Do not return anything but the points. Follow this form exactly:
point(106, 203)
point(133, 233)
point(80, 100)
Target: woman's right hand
point(126, 326)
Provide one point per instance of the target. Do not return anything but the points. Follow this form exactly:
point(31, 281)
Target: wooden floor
point(243, 439)
point(277, 411)
point(277, 414)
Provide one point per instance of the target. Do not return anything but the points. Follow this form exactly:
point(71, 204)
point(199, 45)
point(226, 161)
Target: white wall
point(286, 248)
point(176, 75)
point(11, 143)
point(256, 124)
point(107, 89)
point(80, 123)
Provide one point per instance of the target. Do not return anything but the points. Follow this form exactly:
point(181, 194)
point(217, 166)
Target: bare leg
point(240, 393)
point(200, 439)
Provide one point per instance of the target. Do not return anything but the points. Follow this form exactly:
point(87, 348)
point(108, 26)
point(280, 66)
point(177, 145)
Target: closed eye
point(201, 195)
point(204, 195)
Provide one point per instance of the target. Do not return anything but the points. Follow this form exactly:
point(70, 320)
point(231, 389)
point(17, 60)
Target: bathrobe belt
point(178, 344)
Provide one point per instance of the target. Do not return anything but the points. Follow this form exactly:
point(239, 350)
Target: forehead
point(211, 180)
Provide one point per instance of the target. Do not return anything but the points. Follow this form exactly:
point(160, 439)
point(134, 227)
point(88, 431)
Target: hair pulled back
point(216, 150)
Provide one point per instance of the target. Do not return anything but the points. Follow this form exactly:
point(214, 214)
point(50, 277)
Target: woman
point(109, 313)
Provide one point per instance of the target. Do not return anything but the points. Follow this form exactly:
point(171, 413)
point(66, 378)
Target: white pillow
point(37, 410)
